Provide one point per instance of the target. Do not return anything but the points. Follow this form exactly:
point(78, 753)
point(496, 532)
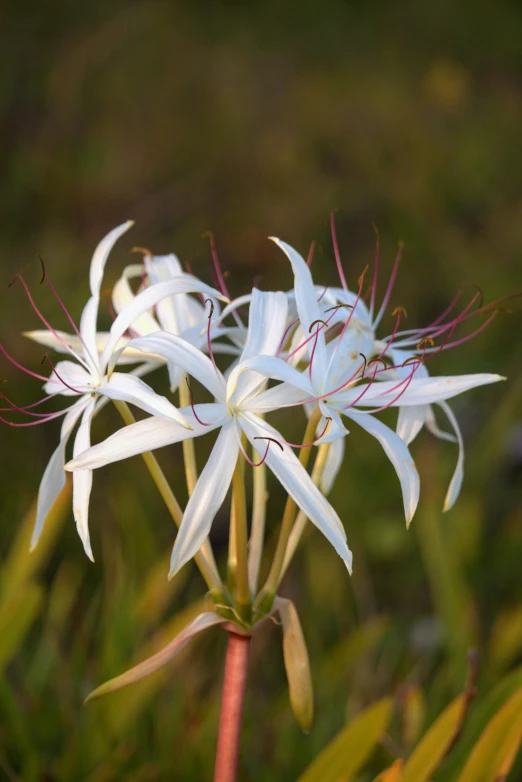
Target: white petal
point(399, 455)
point(88, 322)
point(129, 388)
point(185, 355)
point(206, 499)
point(123, 296)
point(282, 395)
point(307, 306)
point(433, 427)
point(149, 298)
point(53, 480)
point(266, 367)
point(72, 375)
point(410, 422)
point(419, 392)
point(296, 481)
point(82, 480)
point(148, 435)
point(334, 460)
point(99, 259)
point(456, 481)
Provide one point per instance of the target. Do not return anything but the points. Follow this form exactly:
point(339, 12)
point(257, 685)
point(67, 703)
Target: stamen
point(389, 289)
point(311, 253)
point(338, 307)
point(285, 335)
point(424, 342)
point(19, 366)
point(75, 390)
point(24, 410)
point(365, 364)
point(217, 266)
point(209, 341)
point(336, 252)
point(46, 279)
point(375, 270)
point(317, 321)
point(40, 421)
point(191, 398)
point(310, 445)
point(269, 441)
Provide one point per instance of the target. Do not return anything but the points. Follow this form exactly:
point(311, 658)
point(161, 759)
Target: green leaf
point(297, 664)
point(350, 749)
point(495, 752)
point(17, 613)
point(435, 743)
point(391, 774)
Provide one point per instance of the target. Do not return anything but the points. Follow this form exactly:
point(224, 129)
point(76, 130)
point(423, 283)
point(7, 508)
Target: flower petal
point(410, 422)
point(101, 253)
point(282, 395)
point(307, 306)
point(54, 479)
point(149, 298)
point(185, 355)
point(82, 479)
point(207, 498)
point(268, 367)
point(161, 658)
point(148, 435)
point(129, 388)
point(296, 481)
point(332, 465)
point(456, 481)
point(419, 392)
point(69, 379)
point(123, 296)
point(399, 455)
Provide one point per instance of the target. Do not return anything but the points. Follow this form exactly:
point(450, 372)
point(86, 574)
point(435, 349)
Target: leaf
point(506, 638)
point(352, 746)
point(17, 614)
point(435, 743)
point(495, 752)
point(297, 664)
point(158, 660)
point(391, 774)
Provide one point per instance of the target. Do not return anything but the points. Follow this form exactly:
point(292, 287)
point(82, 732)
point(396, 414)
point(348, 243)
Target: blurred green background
point(252, 120)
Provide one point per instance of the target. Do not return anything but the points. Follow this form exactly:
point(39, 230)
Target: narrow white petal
point(332, 465)
point(123, 296)
point(148, 435)
point(53, 480)
point(69, 379)
point(101, 253)
point(456, 481)
point(88, 322)
point(129, 388)
point(149, 298)
point(206, 499)
point(399, 455)
point(268, 367)
point(282, 395)
point(419, 392)
point(296, 481)
point(186, 356)
point(307, 306)
point(82, 480)
point(410, 422)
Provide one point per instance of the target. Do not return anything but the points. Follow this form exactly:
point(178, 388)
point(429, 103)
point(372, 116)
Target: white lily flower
point(91, 382)
point(234, 412)
point(334, 375)
point(179, 314)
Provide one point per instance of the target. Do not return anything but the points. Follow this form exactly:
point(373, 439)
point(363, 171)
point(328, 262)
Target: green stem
point(265, 598)
point(189, 451)
point(204, 558)
point(243, 597)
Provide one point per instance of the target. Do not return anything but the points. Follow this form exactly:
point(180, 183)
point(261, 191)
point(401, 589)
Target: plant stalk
point(234, 687)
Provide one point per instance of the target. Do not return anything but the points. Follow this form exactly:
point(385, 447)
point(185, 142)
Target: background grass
point(252, 120)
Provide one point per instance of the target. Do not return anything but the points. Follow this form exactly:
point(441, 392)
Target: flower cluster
point(314, 348)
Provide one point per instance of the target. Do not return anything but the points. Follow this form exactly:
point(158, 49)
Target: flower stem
point(234, 687)
point(189, 452)
point(240, 532)
point(204, 558)
point(265, 598)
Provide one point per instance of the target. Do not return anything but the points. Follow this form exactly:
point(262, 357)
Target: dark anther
point(142, 251)
point(361, 277)
point(209, 301)
point(378, 361)
point(317, 321)
point(44, 273)
point(413, 359)
point(365, 363)
point(338, 307)
point(425, 341)
point(271, 440)
point(400, 310)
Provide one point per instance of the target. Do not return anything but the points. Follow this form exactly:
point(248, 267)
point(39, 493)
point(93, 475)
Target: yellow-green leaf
point(17, 613)
point(391, 774)
point(495, 752)
point(297, 664)
point(351, 748)
point(435, 743)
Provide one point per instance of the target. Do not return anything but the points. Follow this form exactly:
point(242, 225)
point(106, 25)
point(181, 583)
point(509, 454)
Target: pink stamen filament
point(26, 410)
point(62, 381)
point(22, 368)
point(310, 445)
point(375, 272)
point(191, 398)
point(64, 309)
point(285, 335)
point(209, 341)
point(247, 457)
point(50, 417)
point(336, 252)
point(311, 254)
point(389, 289)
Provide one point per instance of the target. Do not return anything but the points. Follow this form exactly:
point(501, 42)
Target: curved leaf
point(391, 774)
point(297, 664)
point(350, 749)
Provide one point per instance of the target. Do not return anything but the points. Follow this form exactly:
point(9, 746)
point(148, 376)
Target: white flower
point(235, 411)
point(89, 381)
point(337, 368)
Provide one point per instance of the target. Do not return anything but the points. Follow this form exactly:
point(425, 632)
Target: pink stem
point(234, 687)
